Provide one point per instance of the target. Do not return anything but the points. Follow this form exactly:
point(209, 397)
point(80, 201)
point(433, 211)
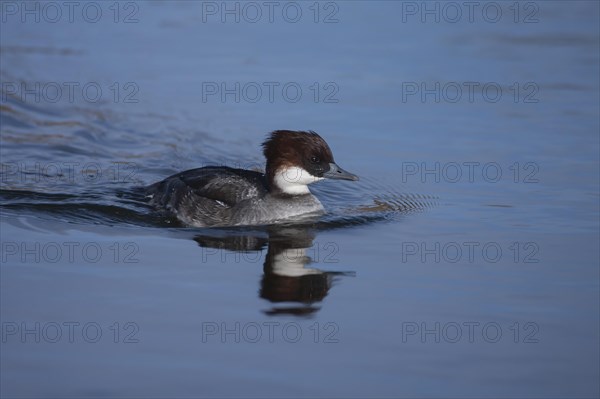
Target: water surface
point(464, 263)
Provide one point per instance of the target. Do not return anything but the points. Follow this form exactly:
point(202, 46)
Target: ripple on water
point(33, 182)
point(128, 207)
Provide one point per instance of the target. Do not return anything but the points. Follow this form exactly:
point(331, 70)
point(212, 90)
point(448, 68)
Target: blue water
point(464, 263)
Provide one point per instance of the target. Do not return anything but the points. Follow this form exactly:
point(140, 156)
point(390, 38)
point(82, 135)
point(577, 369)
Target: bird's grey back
point(207, 196)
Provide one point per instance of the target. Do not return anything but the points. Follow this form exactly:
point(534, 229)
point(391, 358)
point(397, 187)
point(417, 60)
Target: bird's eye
point(314, 159)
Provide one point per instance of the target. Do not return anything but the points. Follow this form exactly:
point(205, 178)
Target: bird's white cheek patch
point(294, 180)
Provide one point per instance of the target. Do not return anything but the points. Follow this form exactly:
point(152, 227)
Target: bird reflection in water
point(288, 282)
